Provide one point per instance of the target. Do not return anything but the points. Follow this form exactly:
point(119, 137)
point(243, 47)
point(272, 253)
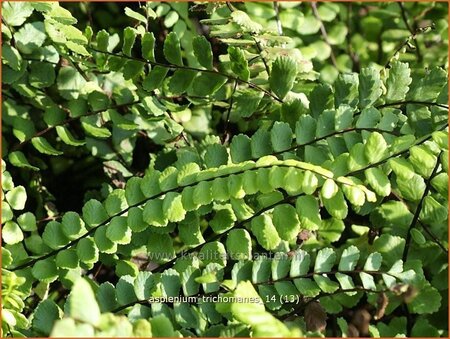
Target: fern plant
point(225, 189)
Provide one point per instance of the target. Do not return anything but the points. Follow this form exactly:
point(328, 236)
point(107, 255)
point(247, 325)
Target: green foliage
point(259, 179)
